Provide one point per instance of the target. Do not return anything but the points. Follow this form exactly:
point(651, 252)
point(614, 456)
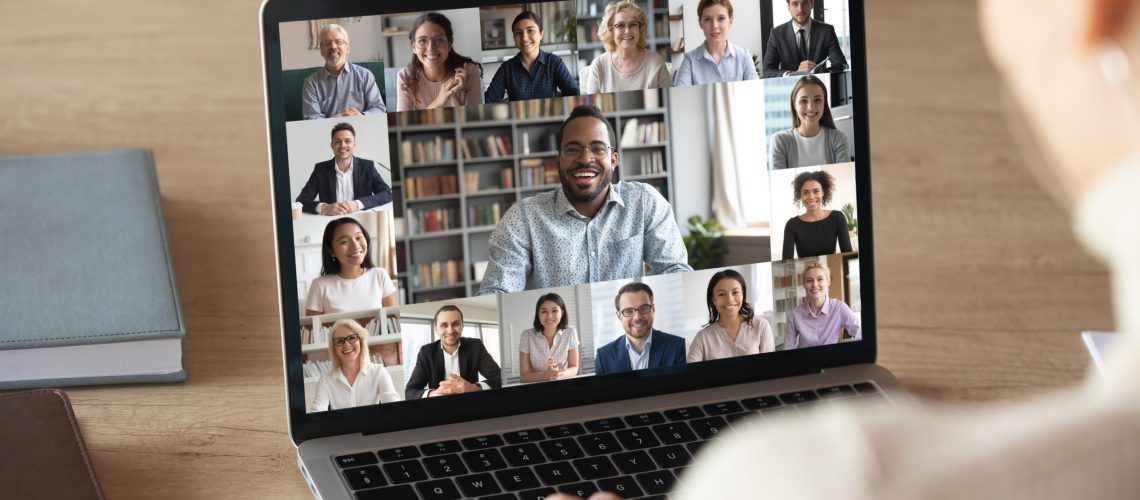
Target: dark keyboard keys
point(648, 418)
point(440, 448)
point(708, 428)
point(798, 397)
point(605, 424)
point(527, 436)
point(484, 460)
point(365, 477)
point(503, 496)
point(866, 388)
point(561, 449)
point(405, 472)
point(595, 467)
point(636, 439)
point(402, 492)
point(836, 391)
point(477, 485)
point(483, 442)
point(656, 482)
point(599, 444)
point(536, 494)
point(440, 489)
point(668, 457)
point(445, 466)
point(517, 479)
point(625, 487)
point(723, 408)
point(564, 430)
point(687, 413)
point(762, 403)
point(580, 490)
point(695, 446)
point(523, 454)
point(401, 453)
point(633, 462)
point(556, 473)
point(356, 459)
point(674, 433)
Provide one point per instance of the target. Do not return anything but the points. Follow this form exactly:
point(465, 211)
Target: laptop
point(559, 246)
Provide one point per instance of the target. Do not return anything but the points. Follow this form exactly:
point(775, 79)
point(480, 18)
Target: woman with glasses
point(733, 328)
point(813, 139)
point(353, 379)
point(533, 73)
point(549, 351)
point(349, 281)
point(627, 64)
point(716, 60)
point(437, 76)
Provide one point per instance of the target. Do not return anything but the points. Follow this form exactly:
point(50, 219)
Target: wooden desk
point(982, 289)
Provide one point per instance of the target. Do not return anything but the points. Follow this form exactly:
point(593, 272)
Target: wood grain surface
point(982, 288)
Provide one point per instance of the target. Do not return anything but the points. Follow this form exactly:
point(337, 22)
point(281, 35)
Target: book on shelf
point(636, 132)
point(491, 146)
point(483, 215)
point(431, 185)
point(432, 150)
point(652, 163)
point(507, 178)
point(393, 325)
point(538, 171)
point(559, 107)
point(430, 220)
point(545, 142)
point(436, 273)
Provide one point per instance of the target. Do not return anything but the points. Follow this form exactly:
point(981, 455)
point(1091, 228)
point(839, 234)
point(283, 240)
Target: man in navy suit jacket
point(452, 364)
point(782, 55)
point(641, 347)
point(344, 184)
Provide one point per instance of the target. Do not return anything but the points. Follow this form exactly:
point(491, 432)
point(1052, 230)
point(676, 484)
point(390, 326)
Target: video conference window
point(532, 192)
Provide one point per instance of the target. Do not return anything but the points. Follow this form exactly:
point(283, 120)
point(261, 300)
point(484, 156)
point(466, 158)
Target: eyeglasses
point(644, 310)
point(622, 26)
point(351, 339)
point(339, 42)
point(422, 42)
point(574, 151)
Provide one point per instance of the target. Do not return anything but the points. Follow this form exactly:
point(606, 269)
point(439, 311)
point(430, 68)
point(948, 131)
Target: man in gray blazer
point(797, 46)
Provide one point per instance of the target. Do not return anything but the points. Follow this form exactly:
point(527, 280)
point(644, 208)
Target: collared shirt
point(451, 366)
point(543, 242)
point(639, 361)
point(372, 385)
point(698, 66)
point(712, 341)
point(326, 94)
point(548, 74)
point(534, 344)
point(807, 328)
point(344, 189)
point(807, 42)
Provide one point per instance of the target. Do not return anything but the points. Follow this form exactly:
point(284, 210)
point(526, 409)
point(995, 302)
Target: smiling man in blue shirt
point(339, 88)
point(591, 228)
point(533, 73)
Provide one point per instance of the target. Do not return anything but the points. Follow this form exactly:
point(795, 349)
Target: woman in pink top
point(733, 328)
point(437, 76)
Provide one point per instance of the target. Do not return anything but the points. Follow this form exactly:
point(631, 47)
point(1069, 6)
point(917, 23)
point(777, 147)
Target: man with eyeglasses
point(339, 88)
point(641, 347)
point(590, 229)
point(799, 45)
point(452, 364)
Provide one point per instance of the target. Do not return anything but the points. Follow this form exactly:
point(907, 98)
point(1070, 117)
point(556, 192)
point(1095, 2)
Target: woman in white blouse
point(349, 281)
point(733, 328)
point(549, 351)
point(353, 380)
point(627, 63)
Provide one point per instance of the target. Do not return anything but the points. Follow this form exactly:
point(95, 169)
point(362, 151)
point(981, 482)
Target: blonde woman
point(627, 63)
point(353, 380)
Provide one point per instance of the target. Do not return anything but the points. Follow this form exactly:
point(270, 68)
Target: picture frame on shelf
point(494, 34)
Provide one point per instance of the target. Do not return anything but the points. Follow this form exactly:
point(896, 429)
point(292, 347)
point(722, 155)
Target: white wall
point(310, 142)
point(783, 208)
point(364, 37)
point(692, 160)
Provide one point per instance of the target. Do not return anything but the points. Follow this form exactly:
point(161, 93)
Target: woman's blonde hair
point(362, 354)
point(605, 29)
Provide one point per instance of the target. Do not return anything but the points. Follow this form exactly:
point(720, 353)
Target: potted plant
point(852, 225)
point(705, 243)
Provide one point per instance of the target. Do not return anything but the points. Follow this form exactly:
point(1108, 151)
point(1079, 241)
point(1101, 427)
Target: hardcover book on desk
point(88, 293)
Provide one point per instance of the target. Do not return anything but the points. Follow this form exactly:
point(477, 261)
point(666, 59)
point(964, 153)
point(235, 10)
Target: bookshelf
point(510, 154)
point(383, 341)
point(590, 14)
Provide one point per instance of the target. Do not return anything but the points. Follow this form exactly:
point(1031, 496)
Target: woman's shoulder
point(602, 60)
point(706, 330)
point(653, 59)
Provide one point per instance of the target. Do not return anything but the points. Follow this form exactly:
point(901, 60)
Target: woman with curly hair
point(437, 76)
point(816, 231)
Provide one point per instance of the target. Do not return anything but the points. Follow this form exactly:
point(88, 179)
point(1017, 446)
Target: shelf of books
point(461, 169)
point(590, 13)
point(383, 340)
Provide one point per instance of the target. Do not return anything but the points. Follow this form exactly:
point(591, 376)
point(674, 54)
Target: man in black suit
point(344, 184)
point(452, 364)
point(797, 46)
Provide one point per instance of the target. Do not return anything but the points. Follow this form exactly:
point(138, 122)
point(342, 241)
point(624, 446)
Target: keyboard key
point(723, 408)
point(401, 453)
point(484, 460)
point(599, 444)
point(762, 402)
point(625, 487)
point(668, 457)
point(523, 454)
point(636, 439)
point(483, 442)
point(798, 397)
point(708, 428)
point(365, 477)
point(605, 424)
point(477, 485)
point(405, 472)
point(441, 448)
point(561, 449)
point(836, 391)
point(445, 466)
point(648, 418)
point(595, 467)
point(564, 430)
point(440, 489)
point(656, 482)
point(580, 490)
point(735, 417)
point(866, 388)
point(536, 494)
point(556, 473)
point(526, 436)
point(517, 479)
point(684, 413)
point(402, 492)
point(695, 446)
point(633, 462)
point(674, 432)
point(356, 459)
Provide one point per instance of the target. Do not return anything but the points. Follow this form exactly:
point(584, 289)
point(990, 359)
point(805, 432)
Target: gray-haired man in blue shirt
point(339, 88)
point(591, 229)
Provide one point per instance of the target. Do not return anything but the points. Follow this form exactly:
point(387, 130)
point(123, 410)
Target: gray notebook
point(87, 294)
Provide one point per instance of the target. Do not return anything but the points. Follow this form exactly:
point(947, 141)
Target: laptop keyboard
point(635, 456)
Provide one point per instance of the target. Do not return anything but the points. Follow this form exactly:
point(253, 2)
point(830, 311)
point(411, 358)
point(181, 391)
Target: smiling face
point(549, 314)
point(430, 45)
point(626, 29)
point(809, 105)
point(349, 351)
point(334, 48)
point(343, 144)
point(586, 177)
point(449, 327)
point(528, 36)
point(349, 245)
point(638, 326)
point(811, 196)
point(800, 10)
point(715, 22)
point(727, 297)
point(816, 282)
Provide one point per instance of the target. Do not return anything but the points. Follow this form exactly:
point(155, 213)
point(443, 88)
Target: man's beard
point(567, 178)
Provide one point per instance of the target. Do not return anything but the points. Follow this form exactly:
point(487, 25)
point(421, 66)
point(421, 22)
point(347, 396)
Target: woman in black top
point(816, 231)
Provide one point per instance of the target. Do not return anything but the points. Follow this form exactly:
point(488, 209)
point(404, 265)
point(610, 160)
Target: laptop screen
point(582, 197)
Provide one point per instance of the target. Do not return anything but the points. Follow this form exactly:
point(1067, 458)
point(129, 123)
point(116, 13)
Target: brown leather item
point(42, 454)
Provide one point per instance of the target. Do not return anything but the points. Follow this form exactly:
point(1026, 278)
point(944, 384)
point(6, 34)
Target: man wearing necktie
point(798, 46)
